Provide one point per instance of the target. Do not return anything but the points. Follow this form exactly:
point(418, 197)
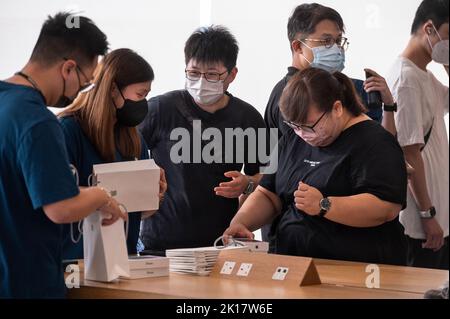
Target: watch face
point(250, 188)
point(432, 211)
point(325, 204)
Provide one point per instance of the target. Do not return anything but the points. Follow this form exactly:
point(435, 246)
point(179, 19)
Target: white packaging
point(253, 245)
point(148, 262)
point(134, 184)
point(105, 249)
point(148, 273)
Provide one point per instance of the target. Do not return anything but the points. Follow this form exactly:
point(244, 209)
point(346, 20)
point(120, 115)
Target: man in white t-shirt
point(422, 104)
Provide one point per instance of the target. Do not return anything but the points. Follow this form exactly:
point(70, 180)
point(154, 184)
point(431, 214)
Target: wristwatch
point(390, 108)
point(428, 214)
point(250, 187)
point(325, 206)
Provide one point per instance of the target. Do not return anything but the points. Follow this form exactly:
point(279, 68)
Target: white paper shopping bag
point(105, 249)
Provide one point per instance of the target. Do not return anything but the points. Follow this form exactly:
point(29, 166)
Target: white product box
point(148, 262)
point(148, 273)
point(135, 184)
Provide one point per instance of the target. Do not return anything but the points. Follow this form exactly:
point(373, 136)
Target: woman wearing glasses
point(341, 179)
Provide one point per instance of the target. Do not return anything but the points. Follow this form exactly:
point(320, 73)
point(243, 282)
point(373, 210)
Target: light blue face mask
point(328, 59)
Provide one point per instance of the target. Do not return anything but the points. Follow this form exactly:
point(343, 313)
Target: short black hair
point(434, 10)
point(213, 44)
point(307, 16)
point(69, 36)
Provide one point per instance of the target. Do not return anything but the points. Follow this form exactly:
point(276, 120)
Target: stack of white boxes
point(197, 261)
point(148, 266)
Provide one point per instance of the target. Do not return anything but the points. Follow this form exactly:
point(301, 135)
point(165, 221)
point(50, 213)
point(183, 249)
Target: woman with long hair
point(100, 127)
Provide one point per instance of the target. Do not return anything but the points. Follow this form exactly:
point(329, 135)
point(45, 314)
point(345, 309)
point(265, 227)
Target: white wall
point(378, 30)
point(157, 29)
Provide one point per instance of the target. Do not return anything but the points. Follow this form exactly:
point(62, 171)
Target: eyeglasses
point(341, 42)
point(87, 84)
point(303, 127)
point(212, 77)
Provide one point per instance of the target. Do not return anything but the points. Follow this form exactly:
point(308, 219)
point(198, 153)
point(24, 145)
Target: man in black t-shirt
point(202, 136)
point(316, 39)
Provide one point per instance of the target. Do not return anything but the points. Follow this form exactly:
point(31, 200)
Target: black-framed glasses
point(341, 42)
point(303, 127)
point(212, 77)
point(87, 84)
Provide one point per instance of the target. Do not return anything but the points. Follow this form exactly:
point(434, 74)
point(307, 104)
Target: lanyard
point(32, 82)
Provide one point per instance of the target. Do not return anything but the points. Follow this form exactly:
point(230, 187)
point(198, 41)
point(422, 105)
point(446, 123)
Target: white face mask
point(439, 52)
point(204, 92)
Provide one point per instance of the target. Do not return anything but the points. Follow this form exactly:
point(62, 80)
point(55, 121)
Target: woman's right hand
point(112, 212)
point(162, 185)
point(237, 231)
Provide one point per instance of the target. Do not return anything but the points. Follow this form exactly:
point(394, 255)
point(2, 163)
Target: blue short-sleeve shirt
point(34, 172)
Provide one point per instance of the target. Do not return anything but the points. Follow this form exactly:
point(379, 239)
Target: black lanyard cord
point(32, 82)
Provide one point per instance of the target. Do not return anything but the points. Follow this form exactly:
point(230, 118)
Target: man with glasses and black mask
point(316, 40)
point(37, 188)
point(203, 193)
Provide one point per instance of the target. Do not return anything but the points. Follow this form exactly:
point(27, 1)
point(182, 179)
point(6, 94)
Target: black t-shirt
point(274, 118)
point(191, 215)
point(272, 114)
point(364, 159)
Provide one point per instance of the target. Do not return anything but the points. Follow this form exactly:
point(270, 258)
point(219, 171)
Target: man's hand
point(307, 199)
point(377, 83)
point(434, 233)
point(234, 188)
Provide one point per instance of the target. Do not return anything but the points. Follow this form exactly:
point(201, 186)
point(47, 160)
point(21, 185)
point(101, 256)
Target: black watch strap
point(390, 108)
point(323, 212)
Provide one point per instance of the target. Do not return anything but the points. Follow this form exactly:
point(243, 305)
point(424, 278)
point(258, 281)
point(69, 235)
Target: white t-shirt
point(423, 100)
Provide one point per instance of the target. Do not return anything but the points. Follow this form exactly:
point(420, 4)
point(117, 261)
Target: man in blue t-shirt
point(37, 189)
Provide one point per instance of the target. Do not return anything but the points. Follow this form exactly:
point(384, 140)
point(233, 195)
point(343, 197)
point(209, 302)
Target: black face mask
point(132, 113)
point(65, 101)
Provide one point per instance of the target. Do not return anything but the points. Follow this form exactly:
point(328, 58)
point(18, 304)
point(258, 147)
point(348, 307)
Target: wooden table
point(340, 280)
